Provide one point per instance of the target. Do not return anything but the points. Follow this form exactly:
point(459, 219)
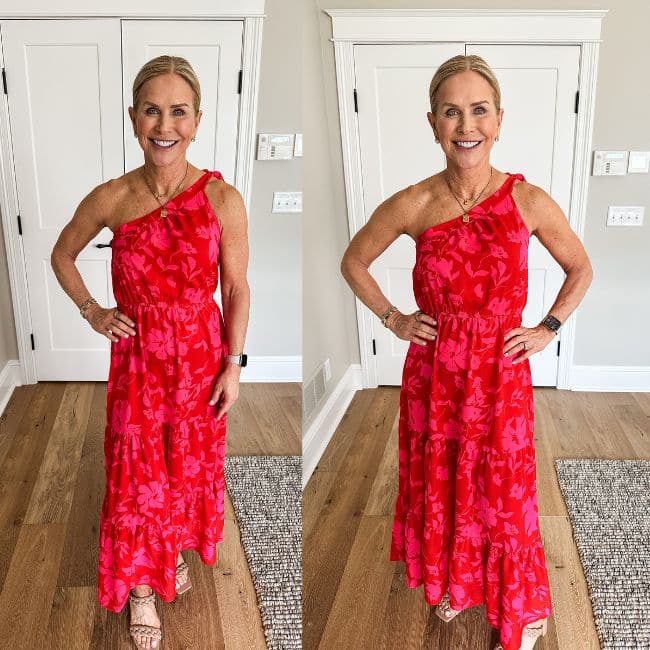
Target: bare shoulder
point(533, 204)
point(227, 204)
point(399, 212)
point(98, 206)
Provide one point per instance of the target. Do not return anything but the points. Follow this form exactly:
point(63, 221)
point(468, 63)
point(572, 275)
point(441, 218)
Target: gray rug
point(267, 497)
point(609, 508)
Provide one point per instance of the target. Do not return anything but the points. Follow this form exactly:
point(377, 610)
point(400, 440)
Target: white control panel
point(275, 146)
point(625, 215)
point(610, 163)
point(287, 202)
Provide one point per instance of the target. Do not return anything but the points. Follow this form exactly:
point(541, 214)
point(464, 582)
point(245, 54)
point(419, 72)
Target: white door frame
point(251, 12)
point(486, 26)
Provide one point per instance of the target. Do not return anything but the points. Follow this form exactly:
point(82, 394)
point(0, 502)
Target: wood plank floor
point(354, 597)
point(51, 488)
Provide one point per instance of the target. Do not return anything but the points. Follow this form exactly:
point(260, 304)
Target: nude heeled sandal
point(531, 633)
point(444, 611)
point(183, 582)
point(138, 630)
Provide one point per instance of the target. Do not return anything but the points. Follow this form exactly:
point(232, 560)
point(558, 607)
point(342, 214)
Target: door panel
point(65, 109)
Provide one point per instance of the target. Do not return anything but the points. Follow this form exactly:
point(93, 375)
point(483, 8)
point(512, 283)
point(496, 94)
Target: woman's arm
point(552, 229)
point(87, 221)
point(229, 207)
point(385, 225)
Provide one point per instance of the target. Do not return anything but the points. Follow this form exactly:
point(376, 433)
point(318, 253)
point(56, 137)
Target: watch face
point(244, 360)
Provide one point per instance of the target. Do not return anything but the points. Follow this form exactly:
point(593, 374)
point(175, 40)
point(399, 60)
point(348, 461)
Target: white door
point(64, 92)
point(69, 86)
point(538, 91)
point(214, 49)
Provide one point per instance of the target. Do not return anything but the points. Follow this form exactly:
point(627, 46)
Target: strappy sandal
point(138, 630)
point(444, 610)
point(530, 635)
point(183, 582)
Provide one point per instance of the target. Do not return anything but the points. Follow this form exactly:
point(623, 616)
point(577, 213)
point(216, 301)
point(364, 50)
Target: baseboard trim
point(9, 379)
point(327, 418)
point(611, 379)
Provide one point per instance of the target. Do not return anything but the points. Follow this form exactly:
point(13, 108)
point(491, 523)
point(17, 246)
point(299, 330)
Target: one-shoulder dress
point(466, 515)
point(163, 444)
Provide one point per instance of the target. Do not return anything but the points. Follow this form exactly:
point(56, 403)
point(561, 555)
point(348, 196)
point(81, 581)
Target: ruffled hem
point(146, 554)
point(510, 578)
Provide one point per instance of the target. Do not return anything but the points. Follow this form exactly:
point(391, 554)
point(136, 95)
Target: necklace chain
point(163, 212)
point(462, 205)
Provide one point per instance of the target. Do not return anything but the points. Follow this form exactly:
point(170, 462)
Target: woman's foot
point(444, 610)
point(144, 618)
point(183, 582)
point(530, 634)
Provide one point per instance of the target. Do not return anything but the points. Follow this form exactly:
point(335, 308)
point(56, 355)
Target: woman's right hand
point(417, 327)
point(102, 320)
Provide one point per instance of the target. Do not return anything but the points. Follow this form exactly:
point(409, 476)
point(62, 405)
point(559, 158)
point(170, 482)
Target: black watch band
point(551, 323)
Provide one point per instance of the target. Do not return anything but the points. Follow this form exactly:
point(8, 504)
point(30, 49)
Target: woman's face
point(466, 112)
point(165, 114)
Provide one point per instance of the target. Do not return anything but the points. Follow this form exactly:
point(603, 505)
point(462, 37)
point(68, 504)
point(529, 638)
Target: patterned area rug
point(267, 497)
point(609, 508)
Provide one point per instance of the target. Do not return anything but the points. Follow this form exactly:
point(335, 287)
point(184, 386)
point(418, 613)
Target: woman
point(175, 360)
point(466, 519)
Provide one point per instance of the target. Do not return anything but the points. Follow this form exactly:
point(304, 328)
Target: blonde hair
point(166, 64)
point(460, 63)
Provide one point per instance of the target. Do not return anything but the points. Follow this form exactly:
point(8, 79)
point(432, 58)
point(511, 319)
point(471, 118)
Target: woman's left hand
point(535, 338)
point(226, 390)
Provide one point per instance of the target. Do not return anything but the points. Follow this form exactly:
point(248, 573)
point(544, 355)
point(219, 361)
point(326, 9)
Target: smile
point(163, 144)
point(467, 144)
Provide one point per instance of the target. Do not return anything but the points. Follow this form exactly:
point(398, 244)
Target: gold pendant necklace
point(462, 205)
point(163, 211)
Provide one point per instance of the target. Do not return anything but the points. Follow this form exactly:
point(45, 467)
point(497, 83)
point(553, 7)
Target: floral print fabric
point(466, 515)
point(164, 447)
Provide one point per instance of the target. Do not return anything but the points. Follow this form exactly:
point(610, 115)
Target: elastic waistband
point(478, 315)
point(166, 304)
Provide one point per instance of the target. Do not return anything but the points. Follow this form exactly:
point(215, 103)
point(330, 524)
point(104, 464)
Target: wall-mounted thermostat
point(275, 146)
point(610, 163)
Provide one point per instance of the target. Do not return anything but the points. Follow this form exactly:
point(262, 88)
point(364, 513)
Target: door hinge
point(4, 81)
point(240, 81)
point(575, 109)
point(374, 347)
point(20, 226)
point(356, 101)
point(558, 348)
point(33, 344)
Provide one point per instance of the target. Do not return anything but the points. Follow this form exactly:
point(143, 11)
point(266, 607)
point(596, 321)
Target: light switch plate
point(297, 146)
point(287, 202)
point(625, 215)
point(639, 162)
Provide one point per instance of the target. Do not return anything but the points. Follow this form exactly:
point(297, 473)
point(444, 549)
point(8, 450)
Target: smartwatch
point(238, 359)
point(551, 323)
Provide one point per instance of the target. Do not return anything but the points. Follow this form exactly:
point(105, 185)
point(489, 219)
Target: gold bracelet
point(384, 317)
point(84, 306)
